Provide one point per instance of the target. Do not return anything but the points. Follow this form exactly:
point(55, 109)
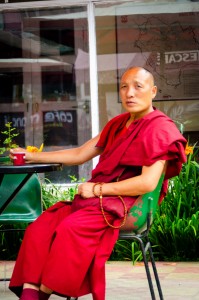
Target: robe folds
point(67, 246)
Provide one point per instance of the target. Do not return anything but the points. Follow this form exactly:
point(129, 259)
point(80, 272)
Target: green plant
point(126, 250)
point(10, 240)
point(175, 230)
point(52, 193)
point(122, 251)
point(8, 141)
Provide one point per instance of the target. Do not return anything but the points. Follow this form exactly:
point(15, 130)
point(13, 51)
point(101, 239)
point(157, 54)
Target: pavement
point(179, 281)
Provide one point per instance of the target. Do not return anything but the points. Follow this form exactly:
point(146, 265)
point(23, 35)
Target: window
point(161, 37)
point(44, 92)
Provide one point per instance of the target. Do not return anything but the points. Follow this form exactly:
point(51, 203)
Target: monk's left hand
point(85, 190)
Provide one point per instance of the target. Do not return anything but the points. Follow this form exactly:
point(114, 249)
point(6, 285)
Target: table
point(29, 170)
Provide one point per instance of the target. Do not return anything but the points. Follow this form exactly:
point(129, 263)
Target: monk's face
point(137, 91)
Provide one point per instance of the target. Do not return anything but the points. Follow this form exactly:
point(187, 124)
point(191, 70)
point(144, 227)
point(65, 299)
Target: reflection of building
point(61, 62)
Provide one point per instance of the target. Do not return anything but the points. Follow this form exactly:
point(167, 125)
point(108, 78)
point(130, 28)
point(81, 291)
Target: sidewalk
point(179, 281)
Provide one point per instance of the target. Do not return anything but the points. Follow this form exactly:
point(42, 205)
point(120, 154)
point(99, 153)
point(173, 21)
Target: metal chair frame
point(145, 246)
point(138, 229)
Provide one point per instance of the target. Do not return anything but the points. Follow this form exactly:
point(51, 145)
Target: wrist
point(97, 189)
point(30, 156)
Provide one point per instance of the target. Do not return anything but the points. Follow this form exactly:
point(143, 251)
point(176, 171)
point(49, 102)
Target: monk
point(64, 251)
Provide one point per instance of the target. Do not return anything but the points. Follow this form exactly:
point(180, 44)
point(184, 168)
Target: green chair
point(24, 207)
point(137, 228)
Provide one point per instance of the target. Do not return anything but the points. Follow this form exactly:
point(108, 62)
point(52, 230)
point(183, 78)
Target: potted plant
point(7, 141)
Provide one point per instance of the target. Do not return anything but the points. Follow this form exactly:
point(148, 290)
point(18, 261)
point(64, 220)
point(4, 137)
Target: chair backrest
point(27, 204)
point(137, 218)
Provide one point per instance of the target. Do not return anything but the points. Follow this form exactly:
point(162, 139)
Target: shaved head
point(140, 70)
point(137, 90)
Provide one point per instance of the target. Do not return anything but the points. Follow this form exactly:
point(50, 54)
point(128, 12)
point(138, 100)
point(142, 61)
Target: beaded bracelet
point(95, 184)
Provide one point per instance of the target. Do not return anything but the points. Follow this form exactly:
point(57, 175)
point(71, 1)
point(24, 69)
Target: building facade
point(60, 64)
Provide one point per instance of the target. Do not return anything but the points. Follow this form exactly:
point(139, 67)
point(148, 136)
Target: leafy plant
point(122, 251)
point(175, 230)
point(10, 240)
point(9, 134)
point(126, 250)
point(52, 193)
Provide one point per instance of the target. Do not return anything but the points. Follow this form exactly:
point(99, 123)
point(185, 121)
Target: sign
point(60, 128)
point(179, 56)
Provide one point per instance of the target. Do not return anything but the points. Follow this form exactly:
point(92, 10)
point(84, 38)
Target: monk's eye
point(123, 86)
point(138, 85)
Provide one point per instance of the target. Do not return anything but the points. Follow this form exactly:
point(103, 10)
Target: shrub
point(52, 193)
point(175, 230)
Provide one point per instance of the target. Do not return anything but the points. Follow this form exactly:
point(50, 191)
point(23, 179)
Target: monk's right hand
point(28, 155)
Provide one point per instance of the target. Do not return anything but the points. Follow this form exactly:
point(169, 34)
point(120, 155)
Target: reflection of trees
point(184, 114)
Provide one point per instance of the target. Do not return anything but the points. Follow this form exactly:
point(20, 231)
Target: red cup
point(19, 159)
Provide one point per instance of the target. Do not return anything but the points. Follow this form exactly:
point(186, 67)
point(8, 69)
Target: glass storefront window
point(161, 37)
point(45, 75)
point(44, 91)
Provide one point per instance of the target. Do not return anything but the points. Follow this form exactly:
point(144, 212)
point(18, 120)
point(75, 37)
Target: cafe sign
point(179, 57)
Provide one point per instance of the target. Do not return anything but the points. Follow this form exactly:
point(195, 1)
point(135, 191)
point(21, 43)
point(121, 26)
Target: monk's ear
point(154, 91)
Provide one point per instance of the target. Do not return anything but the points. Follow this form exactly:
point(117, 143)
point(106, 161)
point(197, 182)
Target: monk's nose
point(130, 92)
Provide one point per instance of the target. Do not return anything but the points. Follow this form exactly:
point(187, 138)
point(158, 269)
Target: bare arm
point(138, 185)
point(73, 156)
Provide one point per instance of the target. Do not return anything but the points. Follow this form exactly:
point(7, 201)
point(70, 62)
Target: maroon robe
point(67, 246)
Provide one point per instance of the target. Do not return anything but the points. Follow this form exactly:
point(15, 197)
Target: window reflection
point(161, 38)
point(40, 85)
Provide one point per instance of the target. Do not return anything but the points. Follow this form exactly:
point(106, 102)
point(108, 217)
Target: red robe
point(67, 246)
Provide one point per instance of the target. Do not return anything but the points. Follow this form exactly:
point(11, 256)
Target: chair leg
point(155, 271)
point(144, 248)
point(146, 268)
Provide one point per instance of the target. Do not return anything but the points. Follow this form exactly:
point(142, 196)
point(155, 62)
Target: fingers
point(17, 150)
point(85, 190)
point(13, 151)
point(28, 155)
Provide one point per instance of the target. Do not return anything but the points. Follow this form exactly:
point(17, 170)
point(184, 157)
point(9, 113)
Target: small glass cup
point(19, 159)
